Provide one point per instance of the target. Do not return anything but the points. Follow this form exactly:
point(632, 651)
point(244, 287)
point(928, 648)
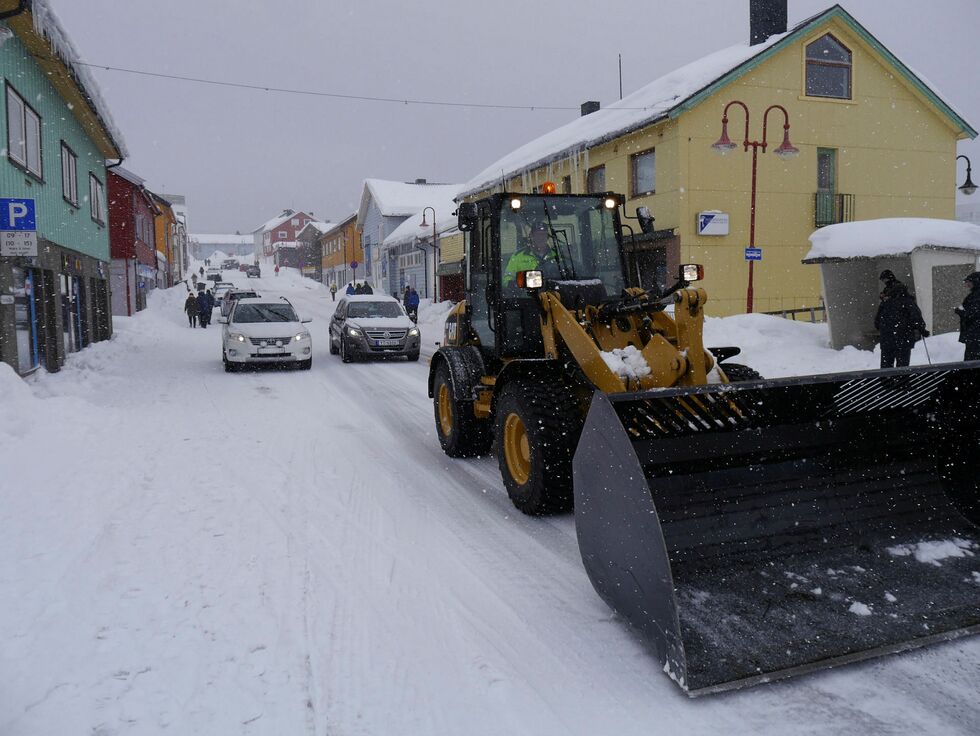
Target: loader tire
point(536, 431)
point(460, 433)
point(737, 373)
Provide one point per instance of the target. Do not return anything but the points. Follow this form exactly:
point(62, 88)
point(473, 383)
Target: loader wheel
point(537, 428)
point(460, 433)
point(737, 373)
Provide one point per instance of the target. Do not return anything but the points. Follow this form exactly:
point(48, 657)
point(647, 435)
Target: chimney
point(766, 18)
point(589, 107)
point(420, 181)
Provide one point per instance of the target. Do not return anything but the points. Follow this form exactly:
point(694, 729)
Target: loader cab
point(575, 240)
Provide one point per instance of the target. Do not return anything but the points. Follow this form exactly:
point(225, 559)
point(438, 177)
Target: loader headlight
point(691, 272)
point(515, 203)
point(610, 203)
point(529, 279)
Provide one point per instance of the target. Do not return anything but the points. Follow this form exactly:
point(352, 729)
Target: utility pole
point(620, 76)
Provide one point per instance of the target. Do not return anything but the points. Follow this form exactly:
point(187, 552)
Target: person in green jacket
point(532, 257)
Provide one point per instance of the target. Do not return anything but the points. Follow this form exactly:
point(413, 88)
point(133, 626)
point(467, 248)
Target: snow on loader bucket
point(761, 530)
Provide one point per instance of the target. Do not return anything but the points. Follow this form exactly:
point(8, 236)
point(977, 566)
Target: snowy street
point(291, 553)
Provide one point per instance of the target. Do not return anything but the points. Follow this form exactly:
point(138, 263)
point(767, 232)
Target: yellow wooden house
point(873, 139)
point(168, 270)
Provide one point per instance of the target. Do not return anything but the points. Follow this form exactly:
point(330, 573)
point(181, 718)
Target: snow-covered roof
point(278, 220)
point(890, 237)
point(667, 97)
point(48, 26)
point(128, 175)
point(221, 239)
point(399, 198)
point(412, 228)
point(320, 227)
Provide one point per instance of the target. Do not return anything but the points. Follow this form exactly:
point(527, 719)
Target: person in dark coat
point(192, 310)
point(350, 289)
point(359, 289)
point(408, 290)
point(205, 303)
point(970, 318)
point(412, 302)
point(367, 288)
point(897, 321)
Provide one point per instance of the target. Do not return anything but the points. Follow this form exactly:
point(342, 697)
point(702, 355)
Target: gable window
point(23, 134)
point(96, 199)
point(69, 175)
point(643, 173)
point(595, 180)
point(828, 69)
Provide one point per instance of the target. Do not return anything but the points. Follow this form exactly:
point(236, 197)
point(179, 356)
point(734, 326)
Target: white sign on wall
point(713, 223)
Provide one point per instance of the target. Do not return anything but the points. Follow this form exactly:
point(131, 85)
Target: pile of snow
point(626, 362)
point(932, 552)
point(890, 237)
point(860, 609)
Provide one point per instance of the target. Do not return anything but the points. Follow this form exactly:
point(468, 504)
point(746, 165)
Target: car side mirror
point(307, 320)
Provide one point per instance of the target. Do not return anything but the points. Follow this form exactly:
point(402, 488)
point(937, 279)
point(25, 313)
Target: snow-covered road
point(193, 552)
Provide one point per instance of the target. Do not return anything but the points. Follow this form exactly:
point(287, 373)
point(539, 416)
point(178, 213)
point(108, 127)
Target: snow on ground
point(194, 552)
point(932, 552)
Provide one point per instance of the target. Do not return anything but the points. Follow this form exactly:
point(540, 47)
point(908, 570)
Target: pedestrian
point(350, 289)
point(897, 321)
point(359, 289)
point(277, 269)
point(333, 292)
point(413, 304)
point(201, 270)
point(191, 309)
point(405, 293)
point(366, 288)
point(970, 318)
point(205, 303)
point(194, 278)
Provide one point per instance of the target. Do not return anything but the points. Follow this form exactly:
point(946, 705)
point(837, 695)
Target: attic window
point(828, 69)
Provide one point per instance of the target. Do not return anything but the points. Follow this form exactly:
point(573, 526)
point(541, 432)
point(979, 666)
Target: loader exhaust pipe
point(756, 531)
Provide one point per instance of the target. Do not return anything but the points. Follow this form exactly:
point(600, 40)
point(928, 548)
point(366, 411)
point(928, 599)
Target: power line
point(339, 96)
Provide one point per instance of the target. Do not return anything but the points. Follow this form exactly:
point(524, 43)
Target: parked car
point(243, 267)
point(230, 264)
point(233, 295)
point(253, 271)
point(213, 274)
point(373, 325)
point(264, 331)
point(219, 290)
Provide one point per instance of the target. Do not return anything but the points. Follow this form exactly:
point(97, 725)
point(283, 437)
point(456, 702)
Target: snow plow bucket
point(755, 531)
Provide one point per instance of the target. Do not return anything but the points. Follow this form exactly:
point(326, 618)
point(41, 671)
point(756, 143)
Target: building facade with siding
point(132, 241)
point(340, 246)
point(874, 141)
point(57, 134)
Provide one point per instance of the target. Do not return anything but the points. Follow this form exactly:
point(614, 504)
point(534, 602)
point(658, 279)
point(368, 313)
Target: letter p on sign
point(17, 214)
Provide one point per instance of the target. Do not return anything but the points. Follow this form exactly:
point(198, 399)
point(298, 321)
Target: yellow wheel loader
point(748, 529)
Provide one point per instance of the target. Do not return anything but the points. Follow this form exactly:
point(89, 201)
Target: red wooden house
point(131, 240)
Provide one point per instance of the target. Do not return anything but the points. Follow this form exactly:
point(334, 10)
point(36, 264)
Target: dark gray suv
point(369, 325)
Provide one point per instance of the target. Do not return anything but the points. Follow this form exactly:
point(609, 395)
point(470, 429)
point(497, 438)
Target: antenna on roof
point(620, 76)
point(503, 184)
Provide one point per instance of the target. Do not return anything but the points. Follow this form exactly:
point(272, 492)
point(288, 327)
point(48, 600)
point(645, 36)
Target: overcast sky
point(240, 156)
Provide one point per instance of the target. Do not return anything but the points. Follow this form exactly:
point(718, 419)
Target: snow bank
point(932, 552)
point(890, 237)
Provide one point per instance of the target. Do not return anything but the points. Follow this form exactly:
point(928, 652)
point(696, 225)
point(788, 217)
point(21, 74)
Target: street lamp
point(968, 187)
point(786, 150)
point(435, 257)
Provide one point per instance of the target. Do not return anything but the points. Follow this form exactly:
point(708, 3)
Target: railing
point(830, 208)
point(816, 314)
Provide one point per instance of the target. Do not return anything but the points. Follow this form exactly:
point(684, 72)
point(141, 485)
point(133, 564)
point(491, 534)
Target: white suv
point(262, 331)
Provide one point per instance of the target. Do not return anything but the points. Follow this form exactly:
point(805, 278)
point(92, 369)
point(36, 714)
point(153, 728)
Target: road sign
point(712, 223)
point(18, 227)
point(354, 265)
point(753, 254)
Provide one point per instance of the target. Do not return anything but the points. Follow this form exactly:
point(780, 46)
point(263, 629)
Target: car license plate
point(271, 351)
point(387, 343)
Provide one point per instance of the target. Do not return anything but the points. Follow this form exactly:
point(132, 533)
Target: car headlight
point(354, 332)
point(302, 336)
point(414, 332)
point(236, 336)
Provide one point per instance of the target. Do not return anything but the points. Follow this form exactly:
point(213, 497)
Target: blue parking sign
point(17, 214)
point(753, 254)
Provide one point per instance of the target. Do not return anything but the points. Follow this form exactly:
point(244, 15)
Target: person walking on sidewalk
point(969, 315)
point(277, 269)
point(898, 322)
point(205, 303)
point(192, 310)
point(412, 304)
point(333, 292)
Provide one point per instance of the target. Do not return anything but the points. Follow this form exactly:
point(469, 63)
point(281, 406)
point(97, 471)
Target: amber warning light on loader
point(549, 188)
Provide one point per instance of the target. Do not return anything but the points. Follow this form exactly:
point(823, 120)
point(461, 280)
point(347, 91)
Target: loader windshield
point(567, 238)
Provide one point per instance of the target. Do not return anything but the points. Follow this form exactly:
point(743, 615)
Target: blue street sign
point(753, 254)
point(17, 214)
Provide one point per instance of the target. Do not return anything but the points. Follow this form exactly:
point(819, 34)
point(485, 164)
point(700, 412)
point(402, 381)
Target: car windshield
point(265, 313)
point(375, 309)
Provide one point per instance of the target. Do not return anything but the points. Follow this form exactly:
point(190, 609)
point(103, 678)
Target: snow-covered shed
point(931, 256)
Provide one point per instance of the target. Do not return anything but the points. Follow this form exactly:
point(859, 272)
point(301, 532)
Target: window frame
point(588, 179)
point(96, 196)
point(24, 165)
point(849, 66)
point(566, 184)
point(71, 158)
point(634, 158)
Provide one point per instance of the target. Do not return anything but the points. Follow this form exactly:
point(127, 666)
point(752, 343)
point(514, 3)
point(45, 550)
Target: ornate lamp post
point(968, 187)
point(435, 253)
point(786, 150)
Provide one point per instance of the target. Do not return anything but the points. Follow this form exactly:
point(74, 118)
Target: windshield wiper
point(554, 234)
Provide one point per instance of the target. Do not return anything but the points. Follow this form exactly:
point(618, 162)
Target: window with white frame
point(283, 234)
point(595, 180)
point(69, 174)
point(96, 198)
point(23, 134)
point(643, 178)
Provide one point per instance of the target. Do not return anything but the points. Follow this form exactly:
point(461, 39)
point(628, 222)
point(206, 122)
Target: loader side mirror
point(468, 216)
point(691, 272)
point(529, 279)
